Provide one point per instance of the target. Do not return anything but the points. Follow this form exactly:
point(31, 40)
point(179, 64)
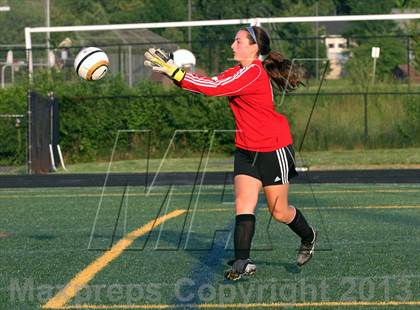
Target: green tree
point(359, 67)
point(284, 37)
point(412, 28)
point(299, 40)
point(23, 13)
point(369, 28)
point(366, 34)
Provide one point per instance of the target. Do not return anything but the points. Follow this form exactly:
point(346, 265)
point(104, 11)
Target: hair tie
point(262, 57)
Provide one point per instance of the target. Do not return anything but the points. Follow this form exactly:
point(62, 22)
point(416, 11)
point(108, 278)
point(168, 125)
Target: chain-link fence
point(349, 57)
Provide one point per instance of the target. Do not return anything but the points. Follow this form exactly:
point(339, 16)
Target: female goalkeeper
point(264, 156)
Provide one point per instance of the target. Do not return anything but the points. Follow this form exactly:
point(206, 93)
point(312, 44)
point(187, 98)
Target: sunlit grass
point(318, 160)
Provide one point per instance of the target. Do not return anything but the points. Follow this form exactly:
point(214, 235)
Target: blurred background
point(366, 116)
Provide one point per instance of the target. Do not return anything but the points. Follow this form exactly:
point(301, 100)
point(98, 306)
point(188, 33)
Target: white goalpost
point(223, 22)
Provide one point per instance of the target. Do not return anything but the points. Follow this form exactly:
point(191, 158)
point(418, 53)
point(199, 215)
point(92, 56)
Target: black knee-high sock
point(301, 227)
point(244, 231)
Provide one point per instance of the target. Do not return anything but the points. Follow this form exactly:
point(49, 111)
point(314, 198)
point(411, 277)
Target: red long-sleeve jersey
point(259, 127)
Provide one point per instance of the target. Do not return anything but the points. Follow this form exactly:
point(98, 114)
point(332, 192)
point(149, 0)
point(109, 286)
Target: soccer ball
point(91, 63)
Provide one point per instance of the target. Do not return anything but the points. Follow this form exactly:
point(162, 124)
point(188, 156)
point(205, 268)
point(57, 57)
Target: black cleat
point(240, 267)
point(306, 251)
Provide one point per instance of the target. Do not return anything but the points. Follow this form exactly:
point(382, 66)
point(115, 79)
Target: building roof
point(115, 37)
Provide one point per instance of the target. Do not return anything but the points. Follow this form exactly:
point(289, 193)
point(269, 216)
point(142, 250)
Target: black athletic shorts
point(271, 168)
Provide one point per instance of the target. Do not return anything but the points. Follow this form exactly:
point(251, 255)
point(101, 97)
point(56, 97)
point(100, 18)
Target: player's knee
point(280, 212)
point(280, 216)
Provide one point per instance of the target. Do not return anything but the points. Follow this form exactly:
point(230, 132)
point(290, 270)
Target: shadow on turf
point(213, 258)
point(289, 267)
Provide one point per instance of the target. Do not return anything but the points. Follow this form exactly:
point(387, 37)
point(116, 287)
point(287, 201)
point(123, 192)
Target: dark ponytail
point(282, 72)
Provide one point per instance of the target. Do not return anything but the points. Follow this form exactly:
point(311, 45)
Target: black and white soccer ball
point(91, 64)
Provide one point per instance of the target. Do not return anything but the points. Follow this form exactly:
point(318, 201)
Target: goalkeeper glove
point(160, 62)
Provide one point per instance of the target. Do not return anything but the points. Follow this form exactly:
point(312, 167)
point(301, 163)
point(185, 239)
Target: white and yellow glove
point(160, 62)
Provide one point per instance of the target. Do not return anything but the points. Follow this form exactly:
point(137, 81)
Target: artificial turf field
point(120, 248)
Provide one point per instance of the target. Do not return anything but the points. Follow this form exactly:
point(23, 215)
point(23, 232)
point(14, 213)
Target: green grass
point(315, 160)
point(347, 85)
point(169, 165)
point(369, 237)
point(362, 159)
